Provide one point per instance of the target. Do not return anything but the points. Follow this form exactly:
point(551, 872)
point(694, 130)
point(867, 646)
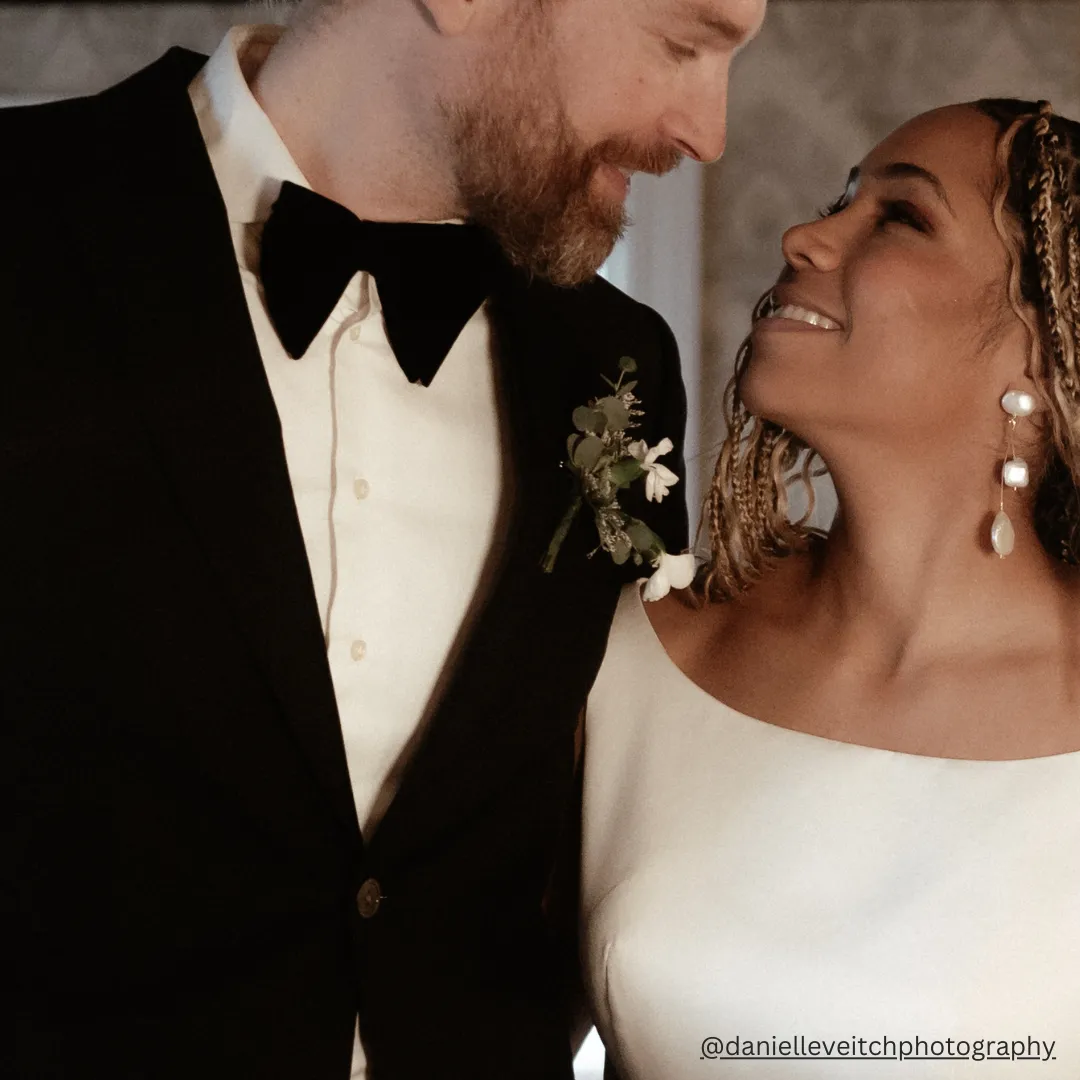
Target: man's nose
point(704, 145)
point(698, 128)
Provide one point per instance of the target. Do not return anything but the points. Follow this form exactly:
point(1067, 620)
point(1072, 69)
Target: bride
point(832, 793)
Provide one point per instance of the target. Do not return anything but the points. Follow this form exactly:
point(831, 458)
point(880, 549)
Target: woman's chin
point(762, 398)
point(782, 410)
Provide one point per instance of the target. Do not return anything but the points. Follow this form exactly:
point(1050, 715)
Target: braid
point(1044, 183)
point(747, 504)
point(1036, 211)
point(1071, 278)
point(746, 507)
point(760, 507)
point(724, 495)
point(1072, 240)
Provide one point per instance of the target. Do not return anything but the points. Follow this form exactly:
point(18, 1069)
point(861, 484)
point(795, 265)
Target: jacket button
point(368, 898)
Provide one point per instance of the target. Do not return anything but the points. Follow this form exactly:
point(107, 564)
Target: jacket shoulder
point(64, 135)
point(96, 183)
point(599, 311)
point(35, 136)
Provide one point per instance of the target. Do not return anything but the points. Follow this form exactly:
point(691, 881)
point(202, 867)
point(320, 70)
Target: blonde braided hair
point(1037, 213)
point(1036, 208)
point(746, 509)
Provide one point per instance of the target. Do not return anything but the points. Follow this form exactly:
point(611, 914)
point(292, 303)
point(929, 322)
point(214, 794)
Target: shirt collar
point(248, 156)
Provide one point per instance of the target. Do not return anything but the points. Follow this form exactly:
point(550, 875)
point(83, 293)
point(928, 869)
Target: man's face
point(575, 95)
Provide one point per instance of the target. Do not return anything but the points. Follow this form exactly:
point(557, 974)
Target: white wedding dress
point(746, 882)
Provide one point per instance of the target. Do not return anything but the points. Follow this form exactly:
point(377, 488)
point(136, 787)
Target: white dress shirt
point(398, 486)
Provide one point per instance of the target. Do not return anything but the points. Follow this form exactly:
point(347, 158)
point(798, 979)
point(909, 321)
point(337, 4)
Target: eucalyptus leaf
point(621, 549)
point(628, 386)
point(627, 364)
point(571, 442)
point(643, 538)
point(598, 421)
point(615, 413)
point(588, 451)
point(626, 471)
point(583, 418)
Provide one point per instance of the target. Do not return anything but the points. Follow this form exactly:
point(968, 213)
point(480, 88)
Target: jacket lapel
point(540, 637)
point(188, 354)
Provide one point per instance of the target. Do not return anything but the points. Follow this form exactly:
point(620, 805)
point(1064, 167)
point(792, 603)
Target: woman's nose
point(812, 245)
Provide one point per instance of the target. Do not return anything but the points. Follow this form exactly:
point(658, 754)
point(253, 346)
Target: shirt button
point(361, 488)
point(368, 898)
point(358, 649)
point(354, 333)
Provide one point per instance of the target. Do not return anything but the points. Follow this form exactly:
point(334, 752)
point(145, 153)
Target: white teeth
point(801, 314)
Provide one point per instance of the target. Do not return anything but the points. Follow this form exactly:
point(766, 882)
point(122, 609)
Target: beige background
point(66, 49)
point(825, 81)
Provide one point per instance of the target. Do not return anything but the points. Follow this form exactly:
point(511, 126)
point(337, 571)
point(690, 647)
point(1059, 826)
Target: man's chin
point(578, 257)
point(564, 249)
point(588, 240)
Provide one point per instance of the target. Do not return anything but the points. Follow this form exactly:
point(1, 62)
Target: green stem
point(548, 563)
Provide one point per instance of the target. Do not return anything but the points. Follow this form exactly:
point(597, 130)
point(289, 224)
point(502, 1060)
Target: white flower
point(672, 572)
point(658, 478)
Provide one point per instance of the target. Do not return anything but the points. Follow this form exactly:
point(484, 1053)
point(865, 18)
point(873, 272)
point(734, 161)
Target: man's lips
point(620, 159)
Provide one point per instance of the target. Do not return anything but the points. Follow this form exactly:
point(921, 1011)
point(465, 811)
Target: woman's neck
point(908, 574)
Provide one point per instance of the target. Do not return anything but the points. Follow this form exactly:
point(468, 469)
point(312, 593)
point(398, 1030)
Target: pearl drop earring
point(1014, 470)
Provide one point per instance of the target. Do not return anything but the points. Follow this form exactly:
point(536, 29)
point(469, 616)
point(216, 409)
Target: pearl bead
point(1018, 403)
point(1002, 536)
point(1014, 473)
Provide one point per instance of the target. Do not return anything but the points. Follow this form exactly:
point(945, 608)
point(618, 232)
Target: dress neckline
point(842, 746)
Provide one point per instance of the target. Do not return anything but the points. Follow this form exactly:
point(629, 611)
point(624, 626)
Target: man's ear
point(450, 17)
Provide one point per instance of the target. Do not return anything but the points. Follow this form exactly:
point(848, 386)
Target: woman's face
point(915, 341)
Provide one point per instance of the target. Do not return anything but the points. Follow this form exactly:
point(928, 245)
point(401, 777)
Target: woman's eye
point(680, 52)
point(903, 213)
point(845, 199)
point(841, 202)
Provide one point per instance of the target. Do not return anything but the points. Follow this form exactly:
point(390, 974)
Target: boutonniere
point(606, 460)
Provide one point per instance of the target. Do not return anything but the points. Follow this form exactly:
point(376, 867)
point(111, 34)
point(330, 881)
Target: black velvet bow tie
point(431, 278)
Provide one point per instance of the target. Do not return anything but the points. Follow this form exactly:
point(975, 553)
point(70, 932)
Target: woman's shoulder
point(691, 627)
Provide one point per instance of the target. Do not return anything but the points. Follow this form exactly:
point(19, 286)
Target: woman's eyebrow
point(905, 170)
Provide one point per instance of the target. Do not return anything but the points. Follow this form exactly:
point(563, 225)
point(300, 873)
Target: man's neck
point(334, 90)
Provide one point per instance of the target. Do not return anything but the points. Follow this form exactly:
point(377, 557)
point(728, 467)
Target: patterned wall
point(68, 49)
point(822, 84)
point(825, 81)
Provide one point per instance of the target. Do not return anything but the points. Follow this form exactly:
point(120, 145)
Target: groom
point(290, 704)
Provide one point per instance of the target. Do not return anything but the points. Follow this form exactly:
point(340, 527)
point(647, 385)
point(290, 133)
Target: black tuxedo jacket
point(187, 858)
